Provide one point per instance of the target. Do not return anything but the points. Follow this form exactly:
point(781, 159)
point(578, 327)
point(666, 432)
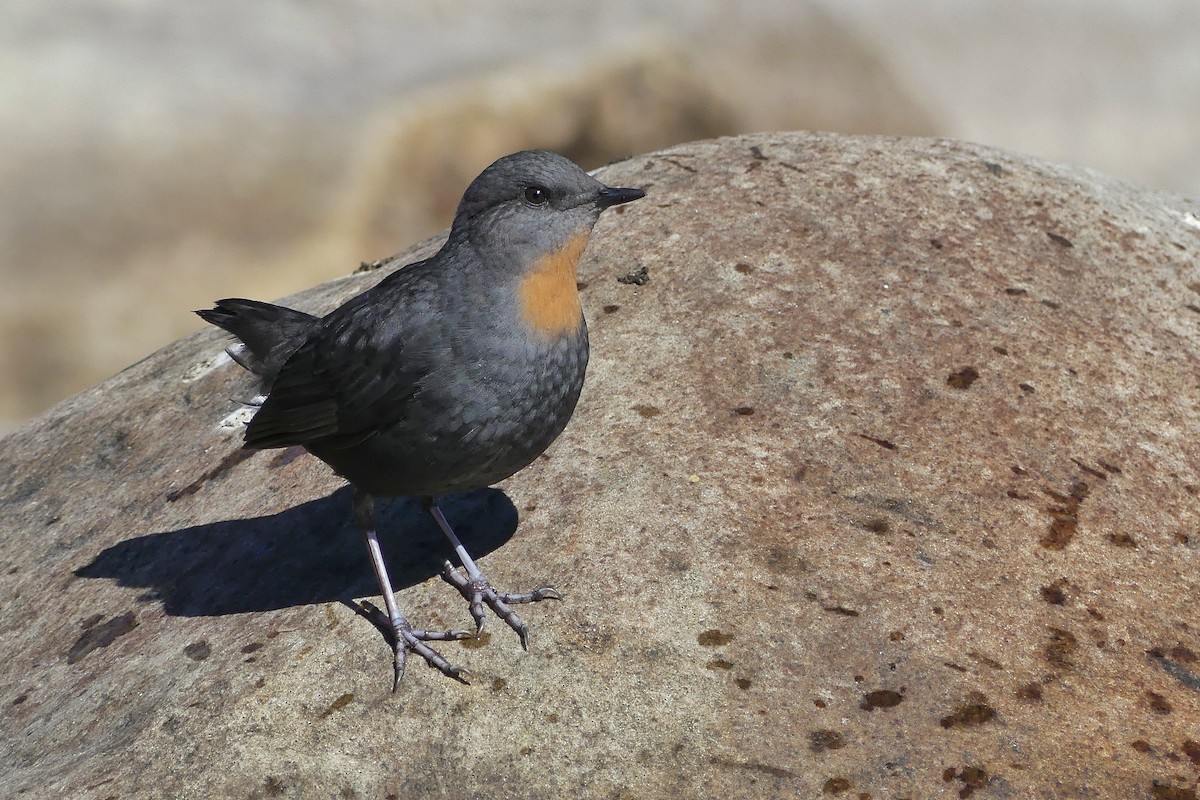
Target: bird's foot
point(405, 638)
point(479, 592)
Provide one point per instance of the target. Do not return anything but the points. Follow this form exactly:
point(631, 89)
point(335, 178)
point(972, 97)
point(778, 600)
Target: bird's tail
point(268, 333)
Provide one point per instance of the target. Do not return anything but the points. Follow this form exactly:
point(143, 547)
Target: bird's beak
point(615, 197)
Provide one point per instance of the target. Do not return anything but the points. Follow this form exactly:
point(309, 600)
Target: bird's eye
point(536, 195)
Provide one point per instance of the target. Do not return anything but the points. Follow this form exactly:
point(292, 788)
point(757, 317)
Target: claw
point(404, 639)
point(479, 593)
point(544, 593)
point(399, 659)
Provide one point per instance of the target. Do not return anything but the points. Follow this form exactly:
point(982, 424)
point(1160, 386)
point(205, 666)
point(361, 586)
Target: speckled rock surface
point(884, 485)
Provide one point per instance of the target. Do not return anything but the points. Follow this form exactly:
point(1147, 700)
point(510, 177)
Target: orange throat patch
point(548, 294)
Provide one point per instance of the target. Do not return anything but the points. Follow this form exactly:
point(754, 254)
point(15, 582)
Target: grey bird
point(449, 375)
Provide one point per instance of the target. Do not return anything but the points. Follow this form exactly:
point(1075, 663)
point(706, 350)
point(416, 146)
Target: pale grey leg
point(478, 590)
point(404, 636)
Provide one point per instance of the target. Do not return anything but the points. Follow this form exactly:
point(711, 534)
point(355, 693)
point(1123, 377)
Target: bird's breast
point(548, 295)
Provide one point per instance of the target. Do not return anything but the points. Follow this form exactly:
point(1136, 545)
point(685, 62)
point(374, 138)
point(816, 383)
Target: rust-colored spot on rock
point(743, 268)
point(1141, 745)
point(719, 663)
point(198, 651)
point(744, 411)
point(877, 525)
point(963, 378)
point(1065, 516)
point(99, 635)
point(338, 704)
point(1122, 540)
point(1184, 655)
point(1031, 692)
point(714, 638)
point(881, 698)
point(476, 642)
point(646, 411)
point(1095, 473)
point(973, 713)
point(835, 786)
point(1192, 751)
point(1158, 704)
point(1061, 649)
point(821, 740)
point(742, 683)
point(972, 778)
point(1054, 594)
point(612, 308)
point(498, 684)
point(884, 443)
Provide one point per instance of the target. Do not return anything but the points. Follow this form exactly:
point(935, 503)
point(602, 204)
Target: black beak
point(615, 197)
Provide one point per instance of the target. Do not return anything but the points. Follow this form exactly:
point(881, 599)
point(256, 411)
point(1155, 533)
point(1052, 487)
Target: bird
point(449, 375)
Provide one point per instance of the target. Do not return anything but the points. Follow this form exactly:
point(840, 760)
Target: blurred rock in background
point(157, 156)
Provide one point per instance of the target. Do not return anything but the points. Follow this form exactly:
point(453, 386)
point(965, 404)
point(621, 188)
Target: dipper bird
point(451, 374)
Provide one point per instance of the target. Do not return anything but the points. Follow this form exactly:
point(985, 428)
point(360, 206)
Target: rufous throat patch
point(548, 294)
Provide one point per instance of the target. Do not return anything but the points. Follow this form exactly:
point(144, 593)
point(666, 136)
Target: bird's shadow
point(310, 553)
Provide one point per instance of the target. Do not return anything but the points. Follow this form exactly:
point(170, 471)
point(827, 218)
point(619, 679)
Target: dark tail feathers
point(269, 333)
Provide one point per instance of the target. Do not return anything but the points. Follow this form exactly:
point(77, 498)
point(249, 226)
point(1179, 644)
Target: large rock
point(884, 485)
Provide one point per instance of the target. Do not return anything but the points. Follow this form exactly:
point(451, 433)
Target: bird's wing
point(352, 377)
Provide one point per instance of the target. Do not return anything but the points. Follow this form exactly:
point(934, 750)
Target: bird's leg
point(404, 636)
point(478, 590)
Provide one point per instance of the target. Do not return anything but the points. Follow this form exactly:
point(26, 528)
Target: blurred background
point(157, 155)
